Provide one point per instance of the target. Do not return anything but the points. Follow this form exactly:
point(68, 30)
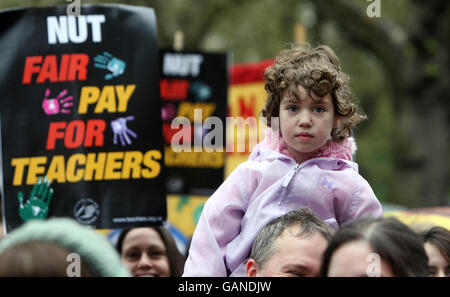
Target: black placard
point(80, 105)
point(194, 86)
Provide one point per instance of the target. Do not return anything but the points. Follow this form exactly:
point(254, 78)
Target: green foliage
point(253, 30)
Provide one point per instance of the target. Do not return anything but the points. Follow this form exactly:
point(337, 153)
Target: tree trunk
point(421, 156)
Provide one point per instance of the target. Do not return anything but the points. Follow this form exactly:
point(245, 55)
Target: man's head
point(291, 245)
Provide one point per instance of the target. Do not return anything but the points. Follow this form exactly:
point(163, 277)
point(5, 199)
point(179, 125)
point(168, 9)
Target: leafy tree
point(414, 54)
point(398, 64)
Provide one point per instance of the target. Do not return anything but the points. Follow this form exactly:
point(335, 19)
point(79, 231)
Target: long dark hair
point(176, 260)
point(439, 237)
point(392, 240)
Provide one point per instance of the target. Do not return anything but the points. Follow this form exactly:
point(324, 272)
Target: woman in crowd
point(437, 246)
point(375, 247)
point(150, 251)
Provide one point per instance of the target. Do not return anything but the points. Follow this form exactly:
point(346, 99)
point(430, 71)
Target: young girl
point(304, 161)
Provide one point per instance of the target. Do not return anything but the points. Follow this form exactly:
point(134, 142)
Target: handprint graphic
point(168, 112)
point(110, 63)
point(121, 130)
point(200, 90)
point(37, 205)
point(57, 105)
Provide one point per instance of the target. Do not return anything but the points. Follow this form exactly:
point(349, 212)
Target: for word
point(71, 67)
point(75, 29)
point(76, 133)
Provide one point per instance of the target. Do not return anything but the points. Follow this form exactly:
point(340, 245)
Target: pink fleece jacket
point(268, 185)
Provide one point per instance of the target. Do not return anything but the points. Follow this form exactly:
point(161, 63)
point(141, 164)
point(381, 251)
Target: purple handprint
point(58, 104)
point(120, 129)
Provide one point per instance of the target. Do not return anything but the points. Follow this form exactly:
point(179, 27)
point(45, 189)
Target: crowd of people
point(296, 244)
point(297, 207)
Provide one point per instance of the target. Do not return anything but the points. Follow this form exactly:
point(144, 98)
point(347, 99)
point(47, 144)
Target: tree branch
point(386, 39)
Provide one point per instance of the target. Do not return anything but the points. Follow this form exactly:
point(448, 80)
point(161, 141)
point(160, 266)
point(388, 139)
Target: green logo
point(36, 207)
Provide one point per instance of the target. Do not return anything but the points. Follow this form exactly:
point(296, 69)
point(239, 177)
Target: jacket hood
point(274, 142)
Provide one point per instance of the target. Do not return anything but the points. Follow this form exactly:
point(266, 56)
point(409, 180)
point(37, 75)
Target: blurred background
point(398, 63)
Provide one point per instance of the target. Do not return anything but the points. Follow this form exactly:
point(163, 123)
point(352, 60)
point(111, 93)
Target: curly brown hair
point(317, 70)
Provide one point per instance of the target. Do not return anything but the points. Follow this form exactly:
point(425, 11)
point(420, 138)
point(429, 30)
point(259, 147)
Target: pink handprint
point(168, 112)
point(58, 104)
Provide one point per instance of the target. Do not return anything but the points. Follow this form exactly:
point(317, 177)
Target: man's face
point(292, 256)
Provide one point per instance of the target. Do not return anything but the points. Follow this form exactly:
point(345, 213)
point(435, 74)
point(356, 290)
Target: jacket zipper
point(286, 183)
point(291, 175)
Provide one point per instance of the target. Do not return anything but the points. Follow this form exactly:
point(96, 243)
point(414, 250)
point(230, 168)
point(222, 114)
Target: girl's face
point(144, 253)
point(305, 123)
